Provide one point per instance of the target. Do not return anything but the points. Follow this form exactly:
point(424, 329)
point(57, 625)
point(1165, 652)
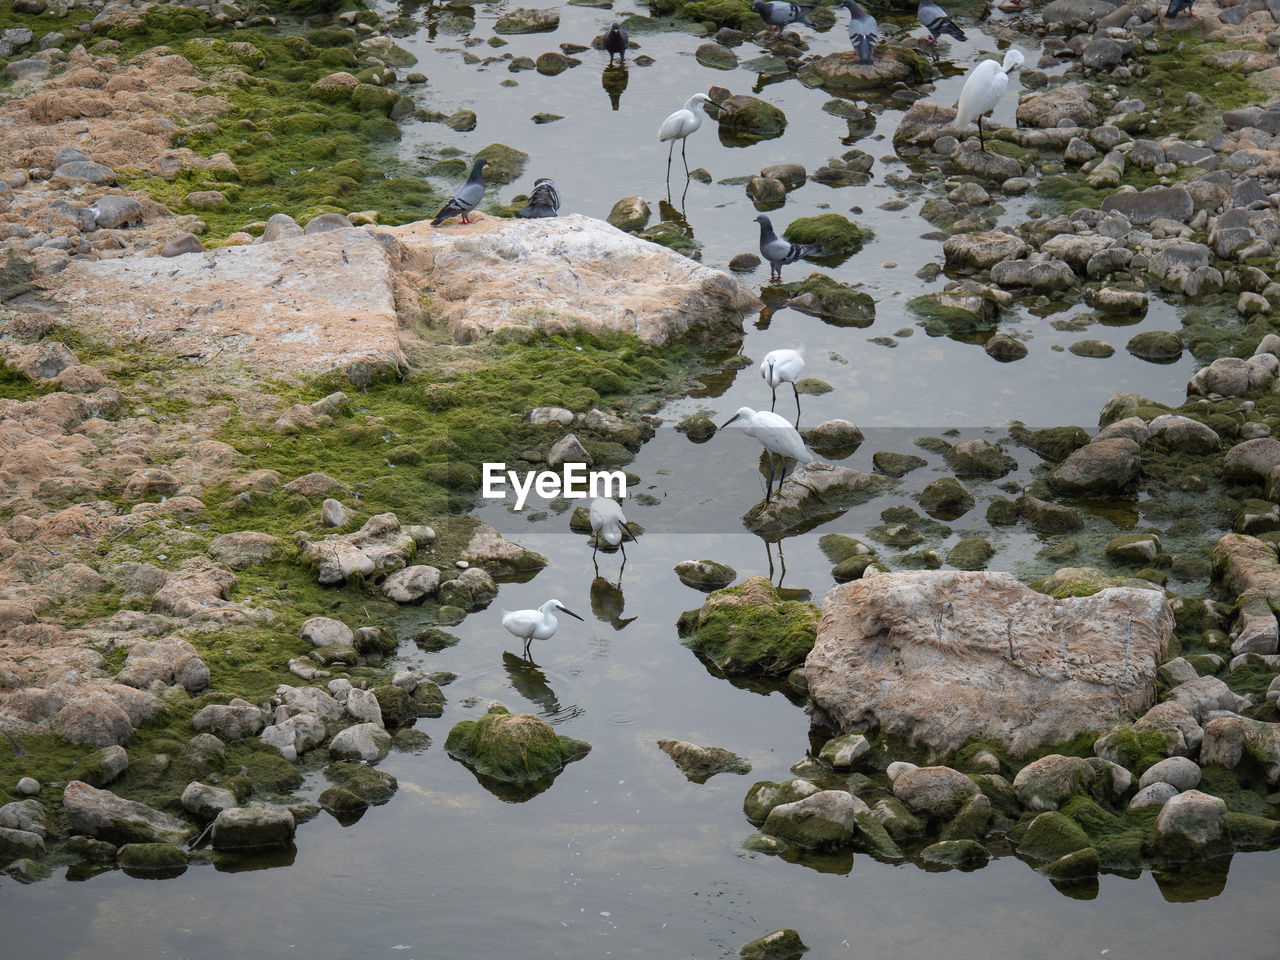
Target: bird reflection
point(782, 562)
point(607, 602)
point(528, 680)
point(614, 81)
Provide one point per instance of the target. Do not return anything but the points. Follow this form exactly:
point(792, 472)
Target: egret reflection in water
point(607, 602)
point(528, 680)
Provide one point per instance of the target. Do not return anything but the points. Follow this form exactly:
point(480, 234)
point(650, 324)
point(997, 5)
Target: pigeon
point(936, 21)
point(1177, 6)
point(615, 42)
point(544, 200)
point(468, 195)
point(863, 33)
point(778, 251)
point(778, 14)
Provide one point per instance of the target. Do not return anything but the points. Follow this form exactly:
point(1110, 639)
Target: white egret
point(780, 252)
point(680, 125)
point(776, 435)
point(782, 366)
point(468, 195)
point(540, 624)
point(609, 524)
point(983, 89)
point(936, 21)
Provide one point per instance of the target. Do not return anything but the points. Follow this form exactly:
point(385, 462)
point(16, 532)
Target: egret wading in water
point(468, 195)
point(983, 88)
point(779, 14)
point(776, 436)
point(615, 42)
point(680, 125)
point(864, 33)
point(936, 21)
point(544, 200)
point(540, 624)
point(782, 366)
point(780, 252)
point(609, 524)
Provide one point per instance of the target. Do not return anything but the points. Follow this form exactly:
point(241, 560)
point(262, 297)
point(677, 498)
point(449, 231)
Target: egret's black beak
point(571, 613)
point(729, 421)
point(627, 527)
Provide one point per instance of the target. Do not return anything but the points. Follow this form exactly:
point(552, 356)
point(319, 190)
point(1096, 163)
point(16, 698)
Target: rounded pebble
point(28, 786)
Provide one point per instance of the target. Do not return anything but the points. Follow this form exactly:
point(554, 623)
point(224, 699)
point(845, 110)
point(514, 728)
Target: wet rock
point(844, 752)
point(840, 74)
point(716, 56)
point(526, 20)
point(412, 583)
point(956, 853)
point(234, 721)
point(206, 802)
point(766, 191)
point(784, 944)
point(750, 629)
point(1229, 741)
point(822, 821)
point(700, 764)
point(1000, 695)
point(630, 214)
point(705, 574)
point(1052, 836)
point(814, 489)
point(363, 741)
point(821, 296)
point(551, 64)
point(970, 158)
point(923, 124)
point(1156, 346)
point(152, 859)
point(981, 251)
point(1156, 203)
point(945, 499)
point(1101, 468)
point(765, 795)
point(971, 553)
point(255, 826)
point(934, 792)
point(1047, 783)
point(101, 814)
point(1191, 826)
point(1004, 348)
point(1039, 276)
point(749, 118)
point(791, 175)
point(979, 458)
point(513, 748)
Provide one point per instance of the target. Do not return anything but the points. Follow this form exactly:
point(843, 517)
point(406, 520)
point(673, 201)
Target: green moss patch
point(750, 629)
point(512, 747)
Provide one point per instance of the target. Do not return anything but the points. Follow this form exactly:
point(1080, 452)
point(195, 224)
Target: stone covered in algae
point(512, 747)
point(751, 629)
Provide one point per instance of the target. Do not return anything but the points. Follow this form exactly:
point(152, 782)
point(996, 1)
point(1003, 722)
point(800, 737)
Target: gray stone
point(1099, 468)
point(233, 721)
point(1178, 772)
point(326, 632)
point(205, 801)
point(412, 583)
point(183, 243)
point(1156, 203)
point(567, 450)
point(279, 227)
point(1155, 795)
point(937, 792)
point(326, 222)
point(101, 814)
point(84, 171)
point(255, 826)
point(364, 741)
point(113, 211)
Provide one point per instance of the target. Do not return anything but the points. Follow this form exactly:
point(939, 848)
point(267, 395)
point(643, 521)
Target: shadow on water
point(607, 602)
point(614, 81)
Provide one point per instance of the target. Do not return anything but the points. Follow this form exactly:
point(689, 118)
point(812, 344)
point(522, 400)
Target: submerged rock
point(512, 747)
point(705, 574)
point(700, 764)
point(1033, 669)
point(813, 490)
point(784, 944)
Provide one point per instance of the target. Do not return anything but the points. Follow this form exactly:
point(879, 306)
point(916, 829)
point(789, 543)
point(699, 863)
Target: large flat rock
point(309, 303)
point(569, 272)
point(936, 657)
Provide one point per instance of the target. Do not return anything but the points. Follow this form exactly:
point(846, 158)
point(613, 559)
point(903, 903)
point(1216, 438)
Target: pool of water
point(622, 856)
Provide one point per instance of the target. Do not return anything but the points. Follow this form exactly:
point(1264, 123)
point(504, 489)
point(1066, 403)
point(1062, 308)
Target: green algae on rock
point(751, 629)
point(512, 747)
point(836, 233)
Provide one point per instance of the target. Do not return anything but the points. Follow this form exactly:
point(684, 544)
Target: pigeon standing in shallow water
point(864, 33)
point(468, 195)
point(1178, 6)
point(779, 15)
point(778, 251)
point(544, 200)
point(936, 21)
point(615, 42)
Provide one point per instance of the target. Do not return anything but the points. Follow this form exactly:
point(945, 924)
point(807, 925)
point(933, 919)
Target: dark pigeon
point(864, 33)
point(615, 42)
point(778, 251)
point(1177, 6)
point(937, 22)
point(544, 201)
point(778, 14)
point(465, 200)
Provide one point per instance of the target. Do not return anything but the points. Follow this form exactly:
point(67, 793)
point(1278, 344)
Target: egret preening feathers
point(609, 524)
point(778, 251)
point(615, 42)
point(780, 14)
point(679, 125)
point(983, 88)
point(776, 436)
point(782, 366)
point(544, 200)
point(468, 195)
point(936, 21)
point(864, 33)
point(540, 624)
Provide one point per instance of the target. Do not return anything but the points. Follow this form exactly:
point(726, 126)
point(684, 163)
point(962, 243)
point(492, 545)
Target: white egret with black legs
point(608, 524)
point(680, 125)
point(540, 624)
point(982, 90)
point(782, 366)
point(777, 436)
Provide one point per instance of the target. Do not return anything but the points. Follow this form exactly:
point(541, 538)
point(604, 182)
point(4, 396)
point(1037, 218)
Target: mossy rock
point(837, 234)
point(971, 553)
point(1080, 865)
point(428, 699)
point(821, 296)
point(705, 574)
point(956, 853)
point(506, 164)
point(837, 547)
point(855, 568)
point(897, 464)
point(433, 639)
point(764, 795)
point(946, 499)
point(750, 629)
point(368, 783)
point(152, 858)
point(745, 119)
point(1054, 444)
point(396, 706)
point(722, 13)
point(512, 747)
point(784, 944)
point(1051, 836)
point(700, 764)
point(971, 821)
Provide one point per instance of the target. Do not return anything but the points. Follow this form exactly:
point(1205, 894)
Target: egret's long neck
point(693, 104)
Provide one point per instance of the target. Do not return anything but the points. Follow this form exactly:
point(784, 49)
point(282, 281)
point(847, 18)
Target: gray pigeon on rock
point(779, 14)
point(936, 21)
point(468, 195)
point(544, 200)
point(778, 251)
point(864, 33)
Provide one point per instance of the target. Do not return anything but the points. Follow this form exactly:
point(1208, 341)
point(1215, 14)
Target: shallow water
point(622, 856)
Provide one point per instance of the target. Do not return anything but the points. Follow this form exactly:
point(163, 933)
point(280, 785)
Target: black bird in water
point(615, 43)
point(780, 252)
point(544, 200)
point(468, 195)
point(1178, 6)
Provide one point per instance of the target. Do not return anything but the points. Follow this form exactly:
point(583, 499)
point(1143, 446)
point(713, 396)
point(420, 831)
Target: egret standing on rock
point(544, 200)
point(777, 436)
point(936, 21)
point(782, 366)
point(679, 125)
point(609, 524)
point(615, 42)
point(983, 88)
point(778, 14)
point(540, 624)
point(468, 195)
point(778, 251)
point(864, 33)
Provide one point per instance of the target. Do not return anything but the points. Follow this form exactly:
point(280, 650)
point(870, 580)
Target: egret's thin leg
point(981, 142)
point(768, 485)
point(670, 150)
point(684, 142)
point(784, 472)
point(797, 390)
point(774, 401)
